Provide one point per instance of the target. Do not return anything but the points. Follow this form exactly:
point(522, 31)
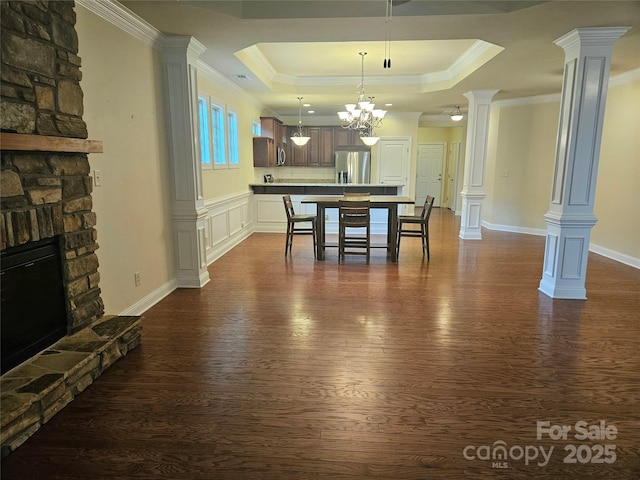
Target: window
point(256, 129)
point(217, 133)
point(205, 138)
point(232, 128)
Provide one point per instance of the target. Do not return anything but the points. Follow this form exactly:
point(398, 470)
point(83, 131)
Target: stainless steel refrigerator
point(353, 164)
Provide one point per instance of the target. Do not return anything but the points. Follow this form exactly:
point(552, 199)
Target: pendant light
point(456, 114)
point(298, 138)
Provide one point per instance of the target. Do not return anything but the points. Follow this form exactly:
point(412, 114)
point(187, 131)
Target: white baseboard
point(613, 255)
point(514, 229)
point(150, 300)
point(605, 252)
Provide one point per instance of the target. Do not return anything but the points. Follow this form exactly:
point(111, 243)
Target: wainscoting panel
point(218, 228)
point(229, 222)
point(236, 219)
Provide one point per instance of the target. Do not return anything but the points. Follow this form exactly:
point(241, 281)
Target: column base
point(565, 255)
point(190, 246)
point(470, 224)
point(569, 293)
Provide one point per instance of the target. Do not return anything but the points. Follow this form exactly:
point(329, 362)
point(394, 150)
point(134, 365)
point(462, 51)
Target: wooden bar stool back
point(352, 215)
point(295, 225)
point(406, 221)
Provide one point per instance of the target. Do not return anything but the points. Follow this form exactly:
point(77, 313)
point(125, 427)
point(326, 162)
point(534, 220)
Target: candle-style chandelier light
point(362, 116)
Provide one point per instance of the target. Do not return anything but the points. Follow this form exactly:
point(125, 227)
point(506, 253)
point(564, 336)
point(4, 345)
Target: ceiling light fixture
point(362, 115)
point(387, 43)
point(298, 138)
point(456, 114)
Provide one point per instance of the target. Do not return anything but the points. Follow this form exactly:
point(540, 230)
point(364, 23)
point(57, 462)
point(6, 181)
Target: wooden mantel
point(21, 142)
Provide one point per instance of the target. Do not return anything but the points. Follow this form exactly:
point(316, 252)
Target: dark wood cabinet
point(327, 146)
point(264, 152)
point(265, 147)
point(318, 152)
point(297, 156)
point(273, 128)
point(343, 137)
point(313, 147)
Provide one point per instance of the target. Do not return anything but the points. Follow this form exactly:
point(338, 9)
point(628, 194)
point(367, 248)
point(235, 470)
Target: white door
point(393, 160)
point(429, 172)
point(451, 191)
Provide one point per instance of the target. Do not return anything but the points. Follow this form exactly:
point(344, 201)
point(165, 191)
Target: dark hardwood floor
point(295, 369)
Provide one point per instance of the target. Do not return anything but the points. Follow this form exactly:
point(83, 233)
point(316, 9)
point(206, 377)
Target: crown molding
point(625, 78)
point(614, 81)
point(538, 99)
point(124, 19)
point(216, 77)
point(120, 17)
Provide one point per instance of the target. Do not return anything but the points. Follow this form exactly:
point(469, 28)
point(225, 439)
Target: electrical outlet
point(97, 179)
point(136, 278)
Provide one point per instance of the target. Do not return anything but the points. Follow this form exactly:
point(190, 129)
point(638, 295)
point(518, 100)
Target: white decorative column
point(188, 214)
point(570, 217)
point(474, 164)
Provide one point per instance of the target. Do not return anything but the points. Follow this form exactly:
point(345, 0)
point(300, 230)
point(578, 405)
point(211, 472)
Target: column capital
point(591, 36)
point(181, 47)
point(480, 95)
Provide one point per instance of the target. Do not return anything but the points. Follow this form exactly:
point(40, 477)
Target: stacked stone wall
point(41, 69)
point(43, 195)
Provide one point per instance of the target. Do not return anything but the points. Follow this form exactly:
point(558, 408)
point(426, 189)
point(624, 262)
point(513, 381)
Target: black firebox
point(33, 310)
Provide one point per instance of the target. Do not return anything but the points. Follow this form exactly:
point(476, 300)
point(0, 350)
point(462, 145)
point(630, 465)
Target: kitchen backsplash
point(296, 174)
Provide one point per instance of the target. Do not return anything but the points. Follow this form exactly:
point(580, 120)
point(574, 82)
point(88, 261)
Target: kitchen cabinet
point(343, 137)
point(325, 153)
point(264, 152)
point(273, 128)
point(318, 152)
point(297, 156)
point(313, 147)
point(265, 148)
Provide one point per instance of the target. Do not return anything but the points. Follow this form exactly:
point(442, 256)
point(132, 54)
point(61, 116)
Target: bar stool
point(354, 214)
point(422, 220)
point(293, 219)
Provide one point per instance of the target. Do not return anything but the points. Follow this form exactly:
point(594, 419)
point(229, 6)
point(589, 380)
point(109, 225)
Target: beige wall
point(520, 159)
point(617, 204)
point(123, 107)
point(522, 141)
point(223, 182)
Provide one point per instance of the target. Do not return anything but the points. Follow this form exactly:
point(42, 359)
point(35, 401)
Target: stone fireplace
point(45, 197)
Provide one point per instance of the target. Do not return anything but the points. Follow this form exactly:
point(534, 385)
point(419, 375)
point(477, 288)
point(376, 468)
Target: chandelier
point(298, 138)
point(362, 115)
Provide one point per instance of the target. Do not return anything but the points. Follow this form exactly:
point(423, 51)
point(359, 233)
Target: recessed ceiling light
point(311, 111)
point(306, 104)
point(388, 104)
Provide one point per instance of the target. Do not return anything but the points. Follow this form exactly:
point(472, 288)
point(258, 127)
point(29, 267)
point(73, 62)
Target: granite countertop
point(313, 183)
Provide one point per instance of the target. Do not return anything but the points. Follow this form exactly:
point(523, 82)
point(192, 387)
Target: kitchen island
point(269, 208)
